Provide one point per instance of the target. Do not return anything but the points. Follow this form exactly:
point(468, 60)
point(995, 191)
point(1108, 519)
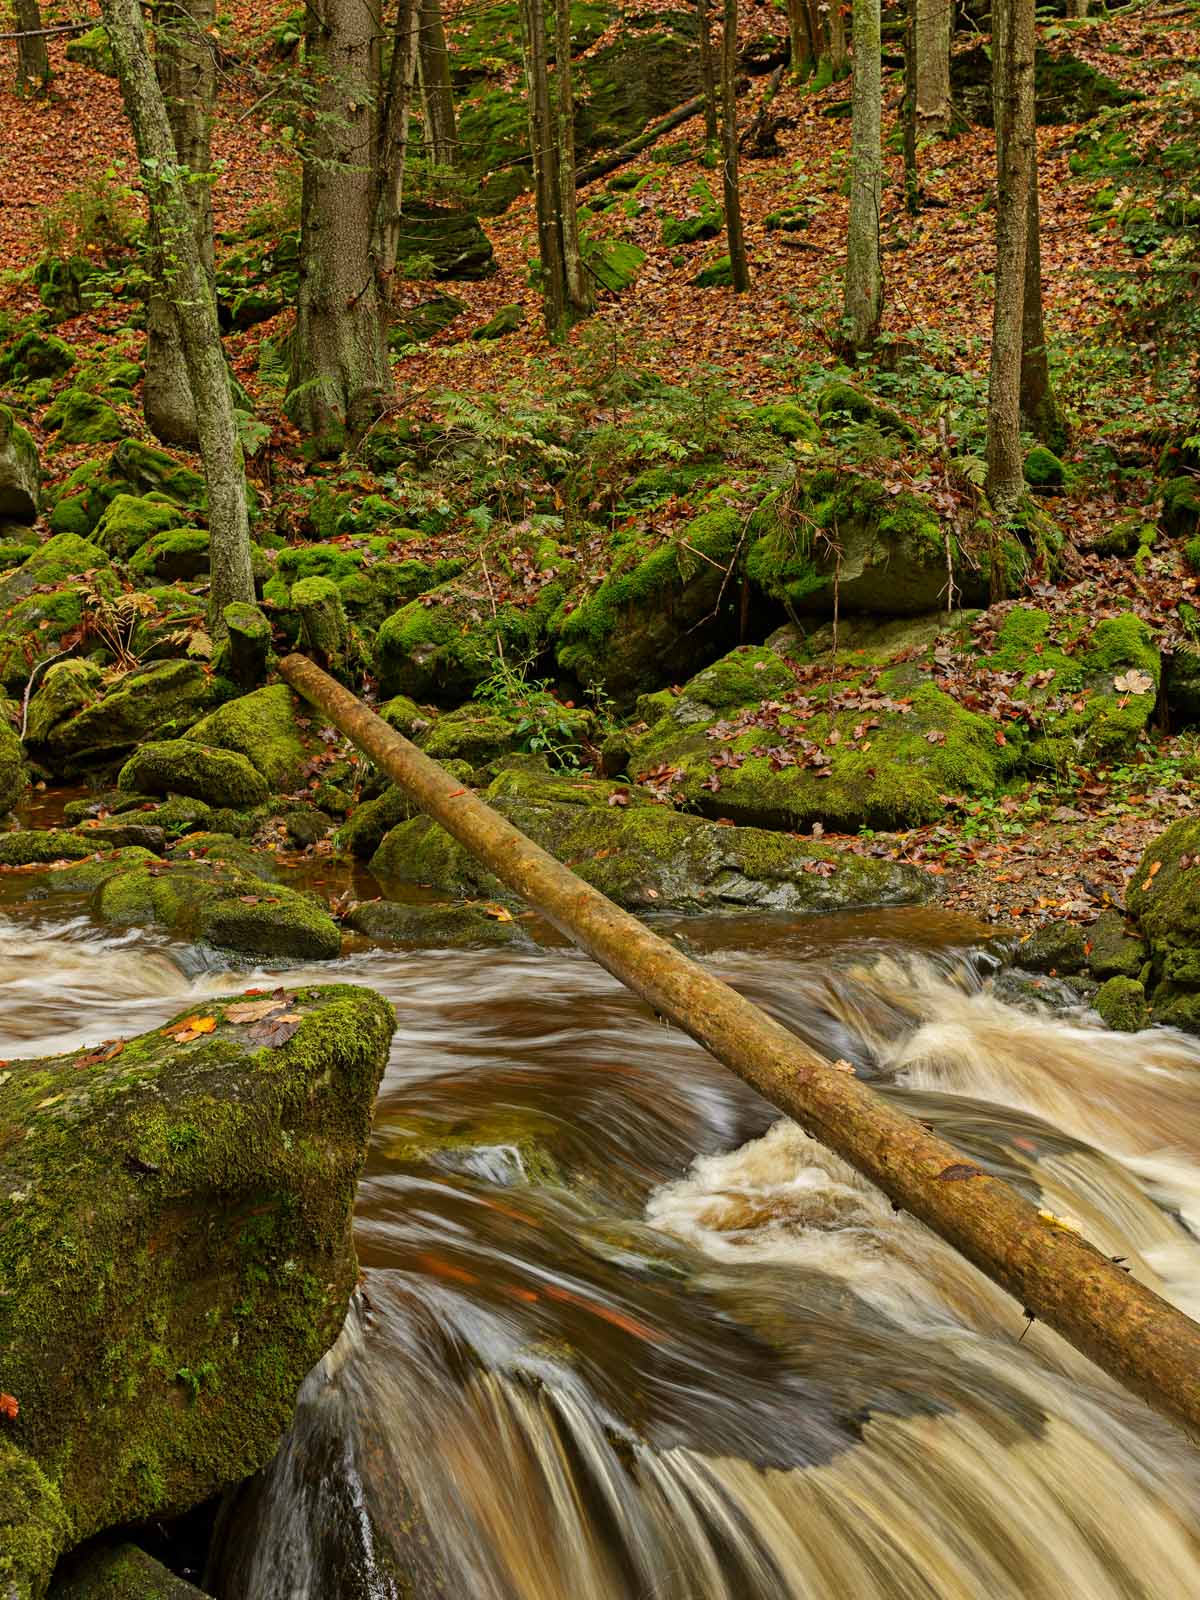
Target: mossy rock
point(225, 848)
point(92, 49)
point(1121, 1004)
point(839, 403)
point(14, 773)
point(433, 927)
point(1164, 896)
point(78, 417)
point(450, 239)
point(41, 600)
point(507, 320)
point(1181, 506)
point(1059, 948)
point(20, 476)
point(1115, 950)
point(704, 220)
point(130, 520)
point(473, 734)
point(211, 902)
point(14, 553)
point(80, 502)
point(152, 471)
point(181, 766)
point(181, 816)
point(1066, 88)
point(85, 877)
point(119, 1572)
point(648, 858)
point(717, 274)
point(787, 420)
point(367, 825)
point(263, 728)
point(614, 263)
point(175, 1240)
point(1043, 470)
point(36, 355)
point(29, 846)
point(158, 701)
point(641, 626)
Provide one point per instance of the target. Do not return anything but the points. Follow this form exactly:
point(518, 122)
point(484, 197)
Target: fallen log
point(1054, 1275)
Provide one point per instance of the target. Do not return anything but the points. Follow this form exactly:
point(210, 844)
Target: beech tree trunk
point(708, 72)
point(1039, 406)
point(577, 290)
point(734, 232)
point(394, 118)
point(183, 60)
point(864, 272)
point(1012, 80)
point(838, 58)
point(935, 30)
point(912, 177)
point(435, 80)
point(799, 39)
point(1052, 1272)
point(33, 59)
point(341, 377)
point(187, 284)
point(544, 152)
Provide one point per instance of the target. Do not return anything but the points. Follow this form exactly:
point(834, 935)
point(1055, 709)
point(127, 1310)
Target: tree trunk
point(1012, 75)
point(935, 30)
point(1054, 1274)
point(1039, 406)
point(739, 265)
point(394, 118)
point(578, 293)
point(708, 73)
point(544, 152)
point(838, 58)
point(341, 377)
point(799, 39)
point(33, 59)
point(188, 285)
point(864, 273)
point(183, 60)
point(435, 80)
point(912, 177)
point(1078, 9)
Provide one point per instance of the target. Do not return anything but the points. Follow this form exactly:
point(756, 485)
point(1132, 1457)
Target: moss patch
point(181, 766)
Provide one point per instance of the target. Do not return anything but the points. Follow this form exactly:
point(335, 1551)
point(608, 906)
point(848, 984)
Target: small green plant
point(99, 218)
point(543, 725)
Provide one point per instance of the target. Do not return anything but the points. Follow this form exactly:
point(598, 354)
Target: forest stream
point(622, 1332)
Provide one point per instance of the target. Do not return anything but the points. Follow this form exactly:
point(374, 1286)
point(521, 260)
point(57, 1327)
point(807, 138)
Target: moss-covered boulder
point(1164, 897)
point(176, 1252)
point(649, 858)
point(444, 645)
point(434, 927)
point(1121, 1004)
point(640, 627)
point(80, 501)
point(36, 355)
point(263, 727)
point(149, 470)
point(1113, 948)
point(14, 773)
point(443, 241)
point(78, 417)
point(703, 219)
point(1181, 506)
point(842, 538)
point(182, 766)
point(841, 403)
point(507, 320)
point(130, 520)
point(118, 1572)
point(27, 846)
point(214, 902)
point(1066, 87)
point(1058, 948)
point(19, 471)
point(42, 600)
point(92, 49)
point(225, 847)
point(158, 701)
point(1043, 470)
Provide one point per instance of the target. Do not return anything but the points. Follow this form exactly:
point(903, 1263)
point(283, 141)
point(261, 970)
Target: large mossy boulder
point(78, 417)
point(176, 1254)
point(641, 627)
point(96, 723)
point(119, 1572)
point(14, 772)
point(130, 520)
point(448, 240)
point(214, 902)
point(19, 472)
point(36, 355)
point(182, 766)
point(1164, 897)
point(43, 599)
point(263, 727)
point(150, 470)
point(79, 502)
point(1066, 88)
point(647, 857)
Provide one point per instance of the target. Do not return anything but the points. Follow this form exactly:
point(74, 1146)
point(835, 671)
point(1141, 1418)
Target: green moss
point(34, 1526)
point(130, 520)
point(14, 773)
point(507, 320)
point(1121, 1003)
point(158, 701)
point(19, 471)
point(36, 355)
point(1181, 505)
point(179, 766)
point(838, 403)
point(1043, 469)
point(263, 728)
point(1115, 952)
point(225, 848)
point(92, 49)
point(81, 501)
point(787, 419)
point(78, 417)
point(324, 628)
point(151, 470)
point(31, 845)
point(426, 927)
point(705, 220)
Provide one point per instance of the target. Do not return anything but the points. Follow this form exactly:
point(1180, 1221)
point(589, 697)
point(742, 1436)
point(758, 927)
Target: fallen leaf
point(253, 1010)
point(274, 1031)
point(190, 1028)
point(500, 914)
point(1133, 682)
point(9, 1406)
point(104, 1052)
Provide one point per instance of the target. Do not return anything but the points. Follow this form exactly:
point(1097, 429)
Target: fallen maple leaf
point(9, 1406)
point(1133, 682)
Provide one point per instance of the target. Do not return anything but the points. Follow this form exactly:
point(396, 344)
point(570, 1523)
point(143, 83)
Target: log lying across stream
point(1056, 1276)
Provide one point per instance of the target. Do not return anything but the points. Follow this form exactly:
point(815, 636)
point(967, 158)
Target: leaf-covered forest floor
point(1063, 846)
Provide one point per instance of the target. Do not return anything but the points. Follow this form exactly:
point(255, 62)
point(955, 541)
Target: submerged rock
point(176, 1253)
point(433, 927)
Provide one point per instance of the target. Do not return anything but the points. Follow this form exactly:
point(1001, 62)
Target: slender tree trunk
point(1077, 9)
point(708, 73)
point(183, 60)
point(394, 118)
point(578, 293)
point(1039, 407)
point(33, 59)
point(864, 272)
point(912, 177)
point(739, 265)
point(188, 285)
point(798, 39)
point(935, 30)
point(544, 151)
point(341, 376)
point(1012, 80)
point(435, 80)
point(838, 59)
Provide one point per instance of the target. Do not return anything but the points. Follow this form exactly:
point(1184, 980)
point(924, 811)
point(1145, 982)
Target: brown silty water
point(623, 1332)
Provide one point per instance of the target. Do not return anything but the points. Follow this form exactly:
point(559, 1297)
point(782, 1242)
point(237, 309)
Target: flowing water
point(624, 1333)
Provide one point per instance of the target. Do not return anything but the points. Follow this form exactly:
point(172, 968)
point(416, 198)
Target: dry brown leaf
point(253, 1010)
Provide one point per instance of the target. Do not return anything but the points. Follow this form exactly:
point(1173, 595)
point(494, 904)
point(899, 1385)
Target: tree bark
point(341, 376)
point(1077, 9)
point(1012, 78)
point(708, 73)
point(33, 58)
point(912, 177)
point(394, 118)
point(188, 286)
point(543, 149)
point(1138, 1339)
point(183, 60)
point(864, 272)
point(838, 58)
point(578, 293)
point(734, 232)
point(1039, 405)
point(435, 80)
point(935, 30)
